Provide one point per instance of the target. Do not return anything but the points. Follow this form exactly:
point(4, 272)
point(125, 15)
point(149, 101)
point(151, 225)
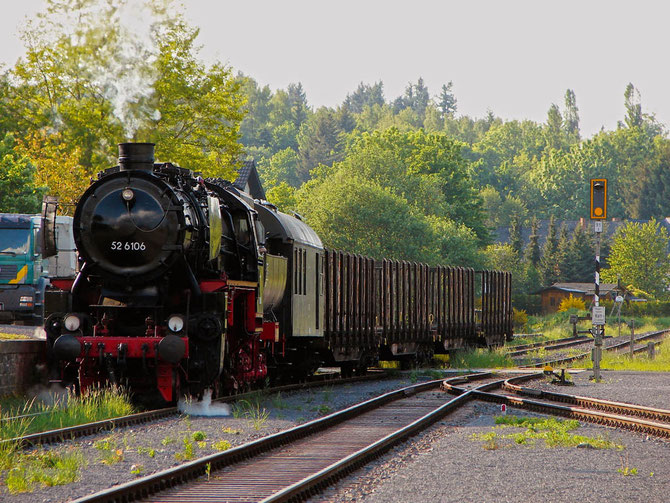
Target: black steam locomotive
point(187, 283)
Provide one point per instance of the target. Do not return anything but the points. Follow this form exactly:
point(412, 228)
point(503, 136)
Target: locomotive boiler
point(187, 283)
point(174, 280)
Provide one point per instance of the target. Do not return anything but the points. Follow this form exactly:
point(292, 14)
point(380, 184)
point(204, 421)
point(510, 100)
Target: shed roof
point(248, 180)
point(583, 288)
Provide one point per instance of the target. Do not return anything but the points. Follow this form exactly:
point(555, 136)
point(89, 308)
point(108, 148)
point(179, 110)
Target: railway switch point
point(560, 380)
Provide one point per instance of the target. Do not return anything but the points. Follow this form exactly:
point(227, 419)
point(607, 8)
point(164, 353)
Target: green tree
point(633, 105)
point(515, 239)
point(319, 141)
point(200, 108)
point(549, 269)
point(18, 193)
point(571, 116)
point(563, 253)
point(255, 131)
point(418, 176)
point(89, 85)
point(446, 101)
point(503, 257)
point(283, 196)
point(639, 255)
point(365, 95)
point(532, 253)
point(554, 128)
point(491, 202)
point(353, 213)
point(580, 258)
point(282, 167)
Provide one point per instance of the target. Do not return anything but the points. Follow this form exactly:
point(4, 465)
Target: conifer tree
point(548, 264)
point(532, 254)
point(563, 257)
point(571, 116)
point(515, 239)
point(580, 259)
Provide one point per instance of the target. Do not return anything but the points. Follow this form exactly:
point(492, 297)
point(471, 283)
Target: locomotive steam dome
point(125, 225)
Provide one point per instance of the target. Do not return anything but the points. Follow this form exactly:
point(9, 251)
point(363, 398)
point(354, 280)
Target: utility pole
point(598, 214)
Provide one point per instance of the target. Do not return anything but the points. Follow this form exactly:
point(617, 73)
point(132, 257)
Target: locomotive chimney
point(136, 156)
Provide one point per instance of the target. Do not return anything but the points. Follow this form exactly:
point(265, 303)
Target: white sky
point(515, 57)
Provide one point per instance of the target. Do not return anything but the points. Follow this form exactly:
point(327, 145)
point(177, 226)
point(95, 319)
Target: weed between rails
point(251, 409)
point(554, 432)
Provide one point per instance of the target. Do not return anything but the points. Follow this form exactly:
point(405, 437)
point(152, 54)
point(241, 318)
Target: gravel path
point(445, 464)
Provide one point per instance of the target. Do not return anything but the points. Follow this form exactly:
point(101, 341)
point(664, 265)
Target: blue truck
point(24, 273)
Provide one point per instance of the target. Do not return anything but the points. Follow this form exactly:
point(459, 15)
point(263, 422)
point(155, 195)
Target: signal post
point(598, 214)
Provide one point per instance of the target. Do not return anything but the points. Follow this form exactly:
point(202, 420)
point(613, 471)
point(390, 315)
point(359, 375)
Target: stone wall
point(21, 365)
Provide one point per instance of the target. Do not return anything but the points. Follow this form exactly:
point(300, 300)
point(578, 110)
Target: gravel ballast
point(446, 464)
point(443, 464)
point(167, 437)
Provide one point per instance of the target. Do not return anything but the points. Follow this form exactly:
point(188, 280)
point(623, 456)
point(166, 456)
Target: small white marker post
point(503, 409)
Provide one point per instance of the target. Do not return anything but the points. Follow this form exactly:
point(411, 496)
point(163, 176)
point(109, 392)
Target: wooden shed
point(554, 294)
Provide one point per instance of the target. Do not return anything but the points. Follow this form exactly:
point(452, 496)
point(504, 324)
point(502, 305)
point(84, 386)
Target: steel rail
point(150, 484)
point(566, 342)
point(615, 347)
point(332, 473)
point(620, 408)
point(584, 414)
point(71, 432)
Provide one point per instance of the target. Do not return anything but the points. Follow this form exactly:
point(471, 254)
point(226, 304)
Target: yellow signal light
point(599, 198)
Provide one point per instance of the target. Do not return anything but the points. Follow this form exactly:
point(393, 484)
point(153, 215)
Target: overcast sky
point(515, 58)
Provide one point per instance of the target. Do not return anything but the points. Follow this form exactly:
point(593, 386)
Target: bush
point(520, 318)
point(571, 302)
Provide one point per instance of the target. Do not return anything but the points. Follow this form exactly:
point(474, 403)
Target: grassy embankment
point(23, 471)
point(557, 326)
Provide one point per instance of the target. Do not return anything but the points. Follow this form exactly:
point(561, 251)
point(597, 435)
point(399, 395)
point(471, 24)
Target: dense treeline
point(405, 177)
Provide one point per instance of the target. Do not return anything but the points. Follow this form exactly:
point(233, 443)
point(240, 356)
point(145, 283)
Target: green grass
point(252, 410)
point(43, 468)
point(640, 362)
point(481, 358)
point(93, 405)
point(554, 432)
point(221, 445)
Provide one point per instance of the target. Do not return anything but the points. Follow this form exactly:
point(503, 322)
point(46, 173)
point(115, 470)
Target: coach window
point(295, 272)
point(304, 272)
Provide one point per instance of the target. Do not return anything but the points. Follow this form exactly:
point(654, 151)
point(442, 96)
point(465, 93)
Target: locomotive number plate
point(128, 246)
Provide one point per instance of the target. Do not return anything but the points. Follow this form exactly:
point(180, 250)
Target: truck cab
point(24, 275)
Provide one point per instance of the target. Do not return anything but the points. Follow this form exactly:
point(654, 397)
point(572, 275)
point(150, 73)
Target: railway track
point(71, 432)
point(298, 462)
point(618, 345)
point(651, 421)
point(524, 349)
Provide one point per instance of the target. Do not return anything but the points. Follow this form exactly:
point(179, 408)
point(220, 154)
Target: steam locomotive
point(187, 283)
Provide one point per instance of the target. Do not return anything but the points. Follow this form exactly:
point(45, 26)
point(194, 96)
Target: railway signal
point(598, 198)
point(598, 213)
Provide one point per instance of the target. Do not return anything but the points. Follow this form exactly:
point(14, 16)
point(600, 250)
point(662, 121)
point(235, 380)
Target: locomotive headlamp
point(72, 322)
point(127, 195)
point(176, 323)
